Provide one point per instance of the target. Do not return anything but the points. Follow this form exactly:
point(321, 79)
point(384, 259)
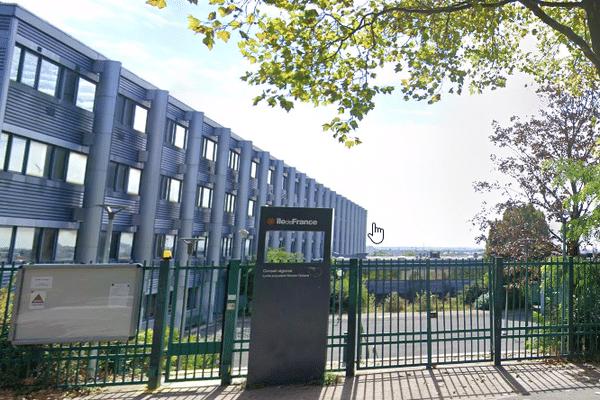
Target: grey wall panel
point(171, 159)
point(5, 23)
point(127, 143)
point(202, 215)
point(208, 130)
point(203, 170)
point(32, 110)
point(123, 217)
point(46, 41)
point(136, 92)
point(167, 210)
point(26, 197)
point(161, 225)
point(175, 113)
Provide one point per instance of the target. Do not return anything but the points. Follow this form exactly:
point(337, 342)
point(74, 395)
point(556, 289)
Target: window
point(164, 242)
point(59, 163)
point(251, 204)
point(125, 246)
point(65, 245)
point(133, 180)
point(204, 197)
point(26, 244)
point(270, 177)
point(37, 159)
point(23, 250)
point(176, 134)
point(5, 243)
point(229, 202)
point(174, 190)
point(253, 170)
point(76, 168)
point(123, 178)
point(35, 71)
point(234, 160)
point(131, 114)
point(3, 147)
point(48, 78)
point(209, 149)
point(17, 154)
point(226, 247)
point(86, 94)
point(140, 117)
point(201, 246)
point(33, 158)
point(171, 189)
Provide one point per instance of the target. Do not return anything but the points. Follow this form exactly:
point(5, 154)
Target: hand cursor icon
point(376, 234)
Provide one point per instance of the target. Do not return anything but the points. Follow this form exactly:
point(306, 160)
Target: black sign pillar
point(288, 335)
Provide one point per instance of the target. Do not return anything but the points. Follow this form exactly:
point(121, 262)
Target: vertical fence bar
point(428, 314)
point(158, 338)
point(497, 298)
point(571, 289)
point(352, 318)
point(229, 321)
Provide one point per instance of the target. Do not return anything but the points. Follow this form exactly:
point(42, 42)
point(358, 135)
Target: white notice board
point(64, 303)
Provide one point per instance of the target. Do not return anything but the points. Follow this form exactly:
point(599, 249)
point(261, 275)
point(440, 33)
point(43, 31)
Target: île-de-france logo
point(271, 221)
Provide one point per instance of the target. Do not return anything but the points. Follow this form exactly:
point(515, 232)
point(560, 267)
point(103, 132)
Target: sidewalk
point(513, 380)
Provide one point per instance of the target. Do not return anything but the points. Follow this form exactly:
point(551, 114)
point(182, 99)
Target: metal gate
point(423, 312)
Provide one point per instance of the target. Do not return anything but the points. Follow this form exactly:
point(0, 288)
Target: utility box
point(67, 303)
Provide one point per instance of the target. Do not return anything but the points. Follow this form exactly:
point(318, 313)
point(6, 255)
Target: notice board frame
point(69, 303)
point(288, 334)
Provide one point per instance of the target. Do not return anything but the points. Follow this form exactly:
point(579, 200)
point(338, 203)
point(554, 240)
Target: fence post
point(350, 352)
point(229, 321)
point(571, 306)
point(159, 326)
point(428, 314)
point(497, 310)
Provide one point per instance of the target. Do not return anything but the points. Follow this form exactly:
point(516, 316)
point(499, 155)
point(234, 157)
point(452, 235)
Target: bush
point(394, 303)
point(482, 302)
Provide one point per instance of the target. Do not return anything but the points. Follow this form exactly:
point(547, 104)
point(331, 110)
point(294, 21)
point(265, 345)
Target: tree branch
point(577, 40)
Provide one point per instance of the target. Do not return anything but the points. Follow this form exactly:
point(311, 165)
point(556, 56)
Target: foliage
point(522, 233)
point(380, 253)
point(588, 176)
point(410, 253)
point(281, 256)
point(586, 309)
point(331, 52)
point(367, 300)
point(566, 130)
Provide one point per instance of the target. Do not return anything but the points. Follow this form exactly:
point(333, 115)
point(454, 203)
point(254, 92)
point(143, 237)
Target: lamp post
point(111, 211)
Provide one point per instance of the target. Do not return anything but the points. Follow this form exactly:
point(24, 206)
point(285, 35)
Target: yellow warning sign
point(38, 300)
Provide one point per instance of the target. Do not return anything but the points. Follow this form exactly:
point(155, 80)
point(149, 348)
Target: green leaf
point(157, 3)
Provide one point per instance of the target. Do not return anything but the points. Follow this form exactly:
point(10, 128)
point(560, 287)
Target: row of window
point(47, 77)
point(26, 156)
point(26, 244)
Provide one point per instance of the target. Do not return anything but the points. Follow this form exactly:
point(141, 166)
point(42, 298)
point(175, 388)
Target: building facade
point(88, 148)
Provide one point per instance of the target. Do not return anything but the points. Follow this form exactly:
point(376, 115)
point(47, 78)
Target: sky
point(415, 169)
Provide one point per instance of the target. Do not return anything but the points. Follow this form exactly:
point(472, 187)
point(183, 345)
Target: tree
point(566, 130)
point(522, 233)
point(328, 52)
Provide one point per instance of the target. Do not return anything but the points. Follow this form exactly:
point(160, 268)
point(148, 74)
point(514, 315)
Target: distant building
point(78, 131)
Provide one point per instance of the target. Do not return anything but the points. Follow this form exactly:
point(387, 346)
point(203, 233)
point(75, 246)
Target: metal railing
point(383, 314)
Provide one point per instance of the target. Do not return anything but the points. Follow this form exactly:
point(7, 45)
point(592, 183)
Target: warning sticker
point(38, 300)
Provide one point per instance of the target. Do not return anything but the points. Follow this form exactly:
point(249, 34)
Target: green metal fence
point(383, 314)
point(421, 312)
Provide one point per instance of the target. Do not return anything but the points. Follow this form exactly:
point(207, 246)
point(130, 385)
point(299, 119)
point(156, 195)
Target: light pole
point(111, 211)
